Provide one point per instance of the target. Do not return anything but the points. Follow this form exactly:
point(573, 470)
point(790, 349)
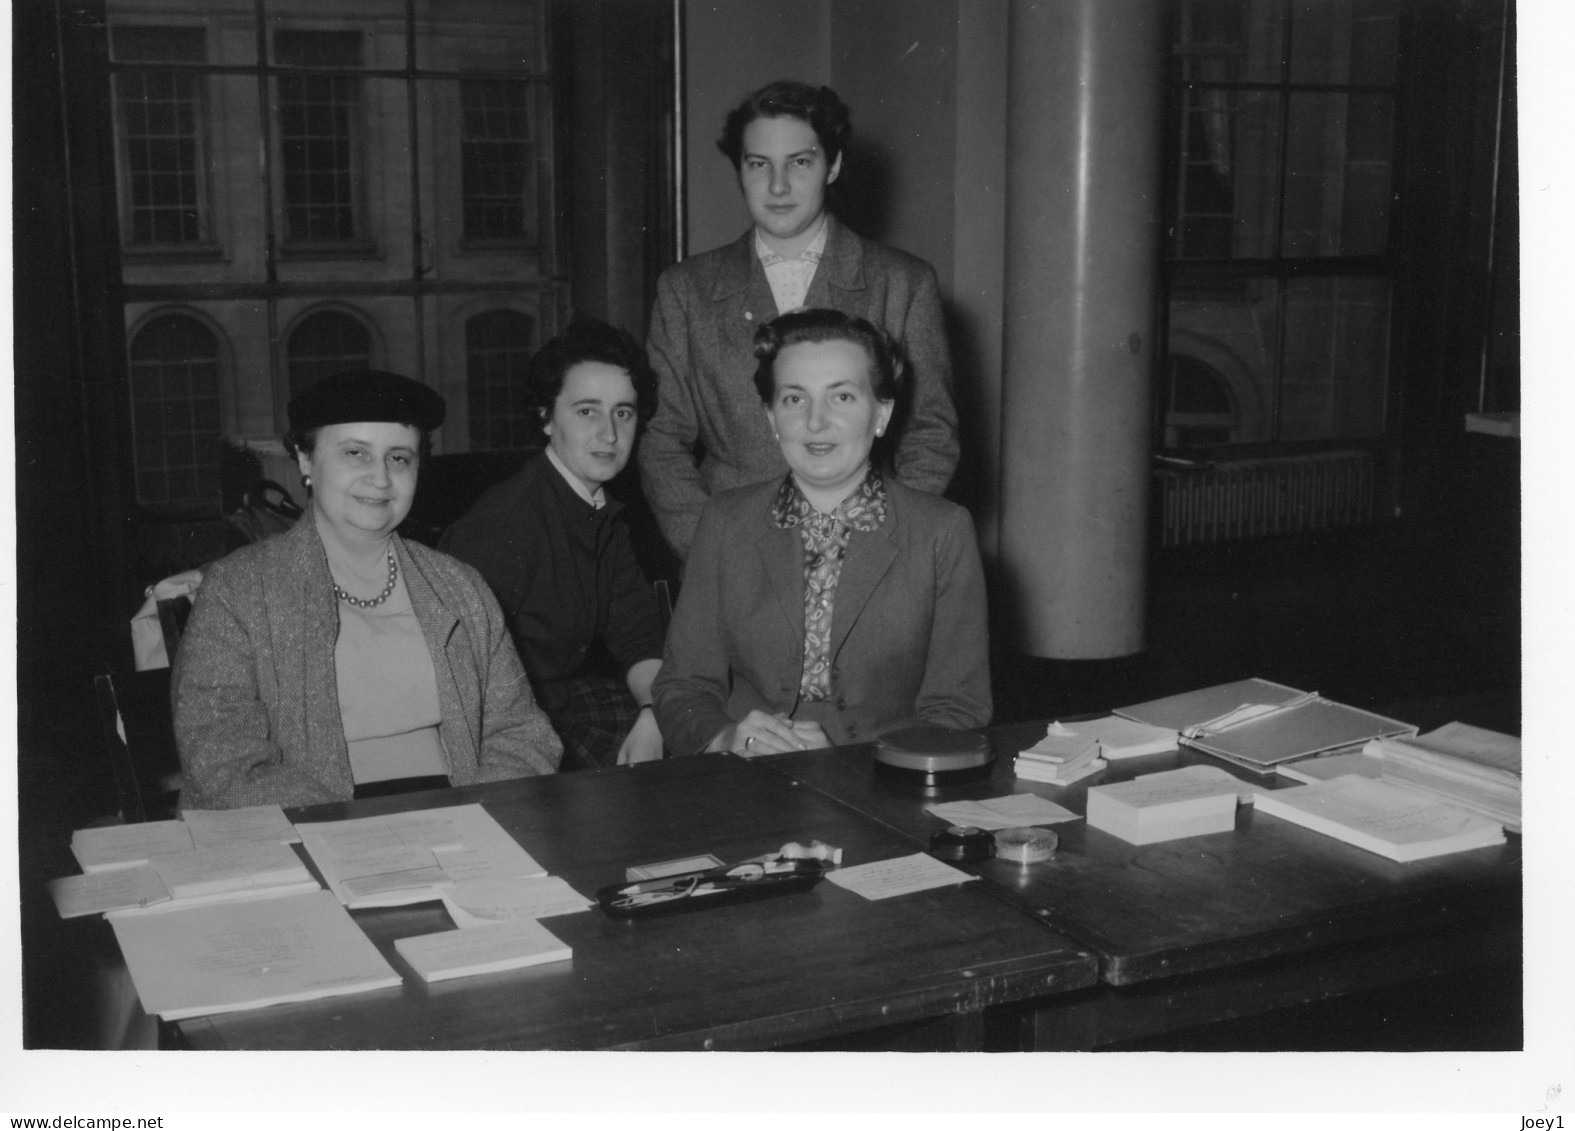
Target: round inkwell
point(1026, 846)
point(962, 844)
point(934, 755)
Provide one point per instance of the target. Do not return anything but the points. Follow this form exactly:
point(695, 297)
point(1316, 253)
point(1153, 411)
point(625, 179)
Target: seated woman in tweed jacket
point(338, 660)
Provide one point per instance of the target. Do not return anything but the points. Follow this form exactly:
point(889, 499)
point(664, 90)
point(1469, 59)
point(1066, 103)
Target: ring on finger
point(749, 742)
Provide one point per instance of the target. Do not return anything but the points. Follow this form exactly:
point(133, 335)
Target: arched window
point(498, 347)
point(325, 343)
point(1199, 408)
point(174, 362)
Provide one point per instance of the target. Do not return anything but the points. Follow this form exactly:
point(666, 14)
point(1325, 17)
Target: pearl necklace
point(388, 590)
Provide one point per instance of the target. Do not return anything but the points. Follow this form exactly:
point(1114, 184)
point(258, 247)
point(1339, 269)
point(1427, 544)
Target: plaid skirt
point(593, 715)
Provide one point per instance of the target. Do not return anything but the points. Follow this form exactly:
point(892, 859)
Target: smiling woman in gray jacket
point(337, 659)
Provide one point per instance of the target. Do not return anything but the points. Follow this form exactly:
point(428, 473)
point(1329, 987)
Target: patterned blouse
point(825, 538)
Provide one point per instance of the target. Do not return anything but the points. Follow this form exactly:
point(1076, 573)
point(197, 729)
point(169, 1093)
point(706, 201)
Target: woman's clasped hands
point(762, 733)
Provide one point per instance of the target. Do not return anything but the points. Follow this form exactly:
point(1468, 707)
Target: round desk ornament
point(962, 844)
point(934, 755)
point(1026, 846)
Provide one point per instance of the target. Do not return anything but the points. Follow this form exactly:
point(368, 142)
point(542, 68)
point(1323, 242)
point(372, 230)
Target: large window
point(319, 130)
point(1283, 115)
point(174, 362)
point(498, 161)
point(325, 343)
point(162, 141)
point(498, 348)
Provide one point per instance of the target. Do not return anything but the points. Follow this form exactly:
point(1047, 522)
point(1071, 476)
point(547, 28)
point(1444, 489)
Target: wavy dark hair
point(588, 339)
point(888, 372)
point(826, 114)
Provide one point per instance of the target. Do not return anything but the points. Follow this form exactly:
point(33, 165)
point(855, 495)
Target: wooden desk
point(1214, 927)
point(799, 968)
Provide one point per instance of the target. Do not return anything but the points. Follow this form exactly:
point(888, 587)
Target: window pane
point(1344, 41)
point(1228, 41)
point(326, 343)
point(162, 126)
point(1224, 330)
point(498, 348)
point(1337, 174)
point(1336, 358)
point(498, 160)
point(1225, 199)
point(175, 411)
point(319, 125)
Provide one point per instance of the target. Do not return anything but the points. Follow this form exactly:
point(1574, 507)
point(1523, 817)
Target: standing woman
point(786, 142)
point(337, 660)
point(833, 604)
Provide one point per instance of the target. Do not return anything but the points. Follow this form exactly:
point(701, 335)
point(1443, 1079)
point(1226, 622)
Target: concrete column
point(1084, 142)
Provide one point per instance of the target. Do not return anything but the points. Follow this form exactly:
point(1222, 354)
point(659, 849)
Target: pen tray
point(717, 887)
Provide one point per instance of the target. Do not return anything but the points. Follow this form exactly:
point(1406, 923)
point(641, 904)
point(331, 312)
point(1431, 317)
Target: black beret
point(365, 395)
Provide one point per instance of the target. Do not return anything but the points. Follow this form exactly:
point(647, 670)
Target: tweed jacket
point(909, 638)
point(256, 700)
point(702, 346)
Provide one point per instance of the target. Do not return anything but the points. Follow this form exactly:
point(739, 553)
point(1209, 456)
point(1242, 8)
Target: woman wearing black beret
point(337, 659)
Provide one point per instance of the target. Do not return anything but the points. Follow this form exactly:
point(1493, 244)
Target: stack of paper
point(1061, 757)
point(108, 889)
point(219, 957)
point(229, 826)
point(121, 846)
point(1190, 801)
point(409, 857)
point(501, 946)
point(1400, 824)
point(1476, 769)
point(1326, 766)
point(243, 870)
point(485, 903)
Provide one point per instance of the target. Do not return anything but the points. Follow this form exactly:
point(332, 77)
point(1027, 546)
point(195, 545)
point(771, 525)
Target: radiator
point(1255, 497)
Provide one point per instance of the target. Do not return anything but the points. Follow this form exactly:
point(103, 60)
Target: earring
point(306, 481)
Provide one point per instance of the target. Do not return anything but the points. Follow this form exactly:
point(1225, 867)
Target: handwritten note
point(884, 879)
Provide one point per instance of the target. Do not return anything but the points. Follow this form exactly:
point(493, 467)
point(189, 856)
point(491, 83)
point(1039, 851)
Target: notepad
point(222, 957)
point(1013, 811)
point(1191, 801)
point(1380, 817)
point(485, 950)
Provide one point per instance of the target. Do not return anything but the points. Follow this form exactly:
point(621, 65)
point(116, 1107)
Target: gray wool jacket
point(256, 700)
point(710, 431)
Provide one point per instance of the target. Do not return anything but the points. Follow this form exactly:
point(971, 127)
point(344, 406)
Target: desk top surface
point(752, 975)
point(1268, 889)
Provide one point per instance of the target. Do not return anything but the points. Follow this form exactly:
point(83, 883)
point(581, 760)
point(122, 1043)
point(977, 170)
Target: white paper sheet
point(1012, 811)
point(227, 826)
point(487, 902)
point(389, 860)
point(884, 879)
point(219, 957)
